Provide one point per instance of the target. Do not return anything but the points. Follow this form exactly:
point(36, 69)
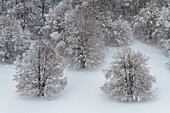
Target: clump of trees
point(40, 72)
point(79, 30)
point(152, 24)
point(128, 77)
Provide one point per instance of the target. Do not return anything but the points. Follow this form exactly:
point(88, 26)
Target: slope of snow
point(83, 95)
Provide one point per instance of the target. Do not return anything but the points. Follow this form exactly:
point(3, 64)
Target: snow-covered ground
point(83, 95)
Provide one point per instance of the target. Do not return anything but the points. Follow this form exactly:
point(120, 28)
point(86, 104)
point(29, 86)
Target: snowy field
point(83, 95)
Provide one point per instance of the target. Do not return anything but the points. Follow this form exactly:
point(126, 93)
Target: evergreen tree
point(40, 73)
point(128, 78)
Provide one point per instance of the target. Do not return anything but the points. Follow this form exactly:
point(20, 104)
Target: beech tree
point(13, 40)
point(83, 45)
point(40, 72)
point(128, 77)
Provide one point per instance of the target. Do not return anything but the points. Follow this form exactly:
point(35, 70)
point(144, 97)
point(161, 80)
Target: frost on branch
point(128, 78)
point(40, 73)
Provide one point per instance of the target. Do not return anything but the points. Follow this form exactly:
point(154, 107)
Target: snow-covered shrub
point(83, 46)
point(29, 15)
point(54, 23)
point(145, 24)
point(40, 73)
point(122, 32)
point(13, 40)
point(128, 78)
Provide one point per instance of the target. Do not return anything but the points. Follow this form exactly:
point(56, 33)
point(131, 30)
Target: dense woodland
point(41, 37)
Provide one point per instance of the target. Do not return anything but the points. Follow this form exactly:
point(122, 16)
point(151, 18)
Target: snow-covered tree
point(162, 31)
point(102, 10)
point(83, 45)
point(40, 73)
point(128, 77)
point(162, 3)
point(145, 24)
point(54, 22)
point(137, 5)
point(122, 32)
point(30, 16)
point(13, 40)
point(163, 23)
point(165, 45)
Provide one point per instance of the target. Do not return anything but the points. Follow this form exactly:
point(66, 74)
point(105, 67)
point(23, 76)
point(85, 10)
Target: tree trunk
point(43, 9)
point(24, 16)
point(3, 8)
point(16, 2)
point(83, 63)
point(39, 72)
